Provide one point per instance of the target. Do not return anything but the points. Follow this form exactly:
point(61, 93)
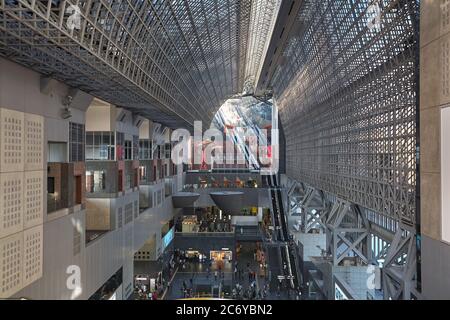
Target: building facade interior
point(312, 133)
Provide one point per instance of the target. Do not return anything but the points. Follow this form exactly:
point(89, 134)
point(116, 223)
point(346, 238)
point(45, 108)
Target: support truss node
point(347, 233)
point(400, 268)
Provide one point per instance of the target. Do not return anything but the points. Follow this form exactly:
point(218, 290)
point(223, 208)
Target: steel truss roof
point(346, 94)
point(175, 61)
point(263, 19)
point(347, 99)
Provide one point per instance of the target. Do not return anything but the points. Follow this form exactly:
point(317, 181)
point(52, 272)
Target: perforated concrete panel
point(33, 198)
point(445, 56)
point(11, 203)
point(128, 213)
point(445, 16)
point(128, 260)
point(32, 255)
point(11, 251)
point(119, 217)
point(136, 209)
point(11, 145)
point(34, 142)
point(76, 241)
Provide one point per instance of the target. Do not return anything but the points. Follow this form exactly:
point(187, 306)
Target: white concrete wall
point(98, 214)
point(36, 119)
point(445, 175)
point(63, 245)
point(99, 260)
point(100, 118)
point(359, 279)
point(126, 126)
point(310, 243)
point(144, 130)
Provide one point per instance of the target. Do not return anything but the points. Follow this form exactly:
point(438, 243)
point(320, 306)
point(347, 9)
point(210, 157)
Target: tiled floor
point(195, 276)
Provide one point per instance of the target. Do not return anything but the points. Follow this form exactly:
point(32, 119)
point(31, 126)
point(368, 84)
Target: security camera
point(67, 101)
point(66, 113)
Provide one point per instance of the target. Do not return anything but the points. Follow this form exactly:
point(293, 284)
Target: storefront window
point(76, 142)
point(128, 181)
point(167, 150)
point(143, 173)
point(145, 149)
point(135, 147)
point(100, 145)
point(120, 146)
point(95, 181)
point(128, 150)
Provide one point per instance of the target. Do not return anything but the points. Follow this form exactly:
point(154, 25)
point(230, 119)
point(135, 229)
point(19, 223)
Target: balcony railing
point(205, 234)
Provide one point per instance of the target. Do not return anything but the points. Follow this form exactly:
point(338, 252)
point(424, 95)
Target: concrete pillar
point(434, 97)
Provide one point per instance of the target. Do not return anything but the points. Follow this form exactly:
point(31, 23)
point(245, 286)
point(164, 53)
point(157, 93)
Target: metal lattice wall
point(347, 99)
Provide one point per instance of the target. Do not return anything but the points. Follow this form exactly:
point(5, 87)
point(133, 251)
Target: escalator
point(284, 248)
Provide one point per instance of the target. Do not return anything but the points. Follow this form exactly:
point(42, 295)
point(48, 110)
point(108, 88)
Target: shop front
point(221, 256)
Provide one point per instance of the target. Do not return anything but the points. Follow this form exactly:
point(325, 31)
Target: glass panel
point(106, 138)
point(89, 138)
point(96, 154)
point(97, 138)
point(89, 153)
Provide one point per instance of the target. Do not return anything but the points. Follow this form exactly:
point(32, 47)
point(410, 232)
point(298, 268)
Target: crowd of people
point(142, 293)
point(251, 293)
point(211, 221)
point(142, 290)
point(208, 222)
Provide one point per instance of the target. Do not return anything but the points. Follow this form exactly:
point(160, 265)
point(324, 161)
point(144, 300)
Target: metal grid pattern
point(262, 22)
point(347, 98)
point(175, 60)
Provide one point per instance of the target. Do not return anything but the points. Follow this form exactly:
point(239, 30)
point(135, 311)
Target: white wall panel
point(11, 258)
point(99, 260)
point(128, 256)
point(34, 142)
point(11, 203)
point(12, 140)
point(33, 213)
point(445, 175)
point(32, 254)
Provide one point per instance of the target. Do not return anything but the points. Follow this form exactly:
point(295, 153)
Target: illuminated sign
point(167, 239)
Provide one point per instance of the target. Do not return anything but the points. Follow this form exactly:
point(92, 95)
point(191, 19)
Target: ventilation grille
point(12, 140)
point(11, 203)
point(128, 213)
point(120, 218)
point(34, 195)
point(76, 241)
point(10, 265)
point(136, 209)
point(34, 137)
point(32, 266)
